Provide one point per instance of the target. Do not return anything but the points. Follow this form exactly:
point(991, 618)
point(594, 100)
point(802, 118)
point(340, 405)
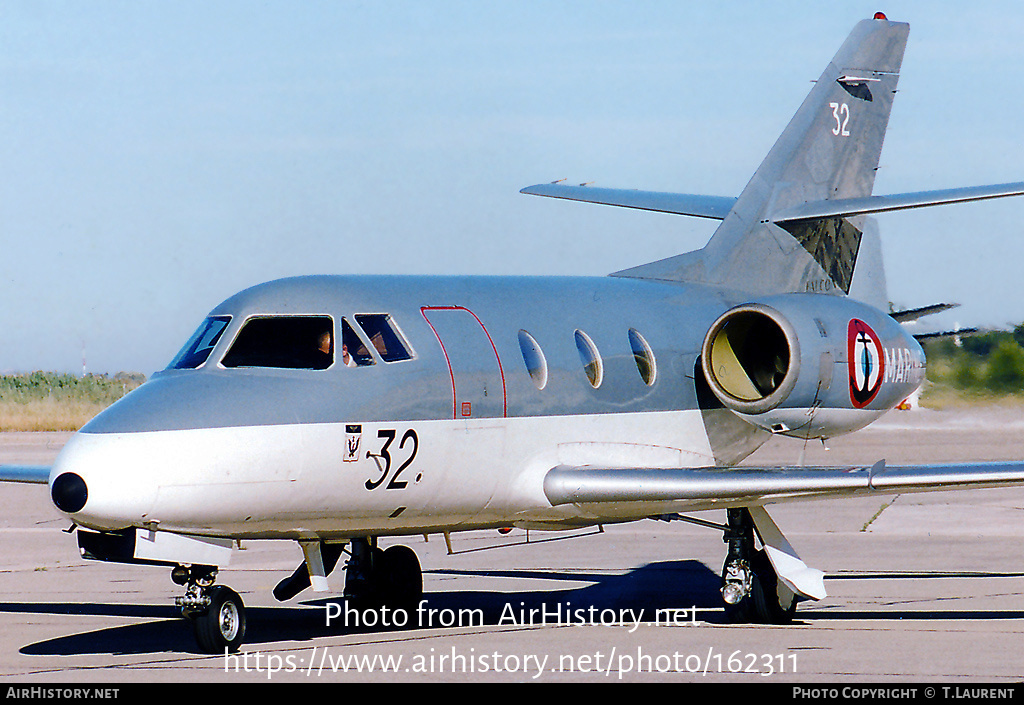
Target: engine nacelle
point(810, 365)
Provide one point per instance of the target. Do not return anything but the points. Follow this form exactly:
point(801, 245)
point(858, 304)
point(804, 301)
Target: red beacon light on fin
point(880, 16)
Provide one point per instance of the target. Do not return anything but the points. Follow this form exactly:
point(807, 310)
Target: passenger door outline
point(446, 328)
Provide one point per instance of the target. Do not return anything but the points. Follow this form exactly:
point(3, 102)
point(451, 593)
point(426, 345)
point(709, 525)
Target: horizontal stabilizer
point(36, 474)
point(940, 335)
point(580, 485)
point(845, 207)
point(714, 207)
point(914, 314)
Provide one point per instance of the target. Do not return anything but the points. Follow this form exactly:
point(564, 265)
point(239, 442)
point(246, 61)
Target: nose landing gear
point(373, 578)
point(216, 612)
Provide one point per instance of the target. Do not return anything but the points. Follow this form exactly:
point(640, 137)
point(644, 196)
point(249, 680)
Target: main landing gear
point(373, 576)
point(750, 586)
point(215, 611)
point(383, 577)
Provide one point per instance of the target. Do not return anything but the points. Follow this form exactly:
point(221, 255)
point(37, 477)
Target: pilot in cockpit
point(324, 348)
point(346, 357)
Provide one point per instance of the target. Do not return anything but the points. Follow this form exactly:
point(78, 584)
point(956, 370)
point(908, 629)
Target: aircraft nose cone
point(69, 492)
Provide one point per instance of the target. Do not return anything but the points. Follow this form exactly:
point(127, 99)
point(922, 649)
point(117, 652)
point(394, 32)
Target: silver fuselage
point(459, 436)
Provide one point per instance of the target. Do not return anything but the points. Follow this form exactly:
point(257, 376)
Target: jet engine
point(810, 365)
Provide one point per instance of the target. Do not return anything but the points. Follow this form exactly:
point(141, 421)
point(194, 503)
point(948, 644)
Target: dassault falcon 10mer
point(334, 410)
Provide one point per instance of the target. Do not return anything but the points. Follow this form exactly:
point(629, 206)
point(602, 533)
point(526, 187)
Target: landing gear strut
point(750, 586)
point(215, 611)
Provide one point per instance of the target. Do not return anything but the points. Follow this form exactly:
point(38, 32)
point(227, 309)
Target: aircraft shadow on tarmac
point(681, 585)
point(673, 584)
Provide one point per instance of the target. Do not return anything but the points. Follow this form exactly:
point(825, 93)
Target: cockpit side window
point(384, 335)
point(353, 349)
point(290, 342)
point(201, 344)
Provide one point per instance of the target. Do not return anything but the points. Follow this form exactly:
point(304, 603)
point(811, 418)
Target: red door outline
point(451, 372)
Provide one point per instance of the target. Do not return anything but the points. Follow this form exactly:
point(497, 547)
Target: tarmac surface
point(923, 588)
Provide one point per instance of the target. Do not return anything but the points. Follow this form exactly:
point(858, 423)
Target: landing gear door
point(478, 382)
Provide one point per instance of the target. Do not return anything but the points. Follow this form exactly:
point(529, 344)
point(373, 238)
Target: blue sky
point(157, 157)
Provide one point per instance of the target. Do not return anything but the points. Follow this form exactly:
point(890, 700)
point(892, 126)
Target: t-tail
point(800, 224)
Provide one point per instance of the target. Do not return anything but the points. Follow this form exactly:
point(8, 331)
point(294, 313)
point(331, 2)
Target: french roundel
point(866, 363)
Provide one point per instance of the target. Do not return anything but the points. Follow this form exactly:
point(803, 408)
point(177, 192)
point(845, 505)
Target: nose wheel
point(222, 626)
point(216, 612)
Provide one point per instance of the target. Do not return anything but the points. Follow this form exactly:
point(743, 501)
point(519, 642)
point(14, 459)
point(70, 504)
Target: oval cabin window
point(590, 358)
point(533, 357)
point(643, 356)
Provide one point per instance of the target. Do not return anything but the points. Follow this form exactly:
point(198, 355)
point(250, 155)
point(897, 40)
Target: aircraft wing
point(36, 474)
point(764, 485)
point(899, 201)
point(714, 207)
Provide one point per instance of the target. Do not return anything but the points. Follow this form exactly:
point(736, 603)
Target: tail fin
point(828, 152)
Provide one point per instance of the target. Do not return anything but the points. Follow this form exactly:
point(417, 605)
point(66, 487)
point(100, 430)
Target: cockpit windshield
point(353, 351)
point(385, 336)
point(201, 344)
point(292, 342)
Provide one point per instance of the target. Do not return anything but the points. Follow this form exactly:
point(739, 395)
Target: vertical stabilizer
point(829, 151)
point(869, 284)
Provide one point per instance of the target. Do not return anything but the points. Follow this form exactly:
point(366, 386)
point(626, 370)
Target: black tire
point(222, 626)
point(400, 578)
point(768, 595)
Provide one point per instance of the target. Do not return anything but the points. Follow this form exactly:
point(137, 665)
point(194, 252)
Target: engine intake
point(810, 365)
point(751, 358)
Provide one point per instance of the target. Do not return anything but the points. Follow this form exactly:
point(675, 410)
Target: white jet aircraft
point(334, 410)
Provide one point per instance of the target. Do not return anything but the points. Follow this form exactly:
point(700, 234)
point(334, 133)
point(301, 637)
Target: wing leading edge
point(754, 487)
point(34, 474)
point(758, 486)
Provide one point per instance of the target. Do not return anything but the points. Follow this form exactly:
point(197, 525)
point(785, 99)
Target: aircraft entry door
point(478, 381)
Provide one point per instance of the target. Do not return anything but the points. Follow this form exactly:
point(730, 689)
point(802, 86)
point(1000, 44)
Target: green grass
point(51, 401)
point(984, 369)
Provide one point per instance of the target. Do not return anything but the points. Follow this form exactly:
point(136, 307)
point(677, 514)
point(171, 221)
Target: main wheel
point(769, 601)
point(774, 603)
point(400, 579)
point(222, 626)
